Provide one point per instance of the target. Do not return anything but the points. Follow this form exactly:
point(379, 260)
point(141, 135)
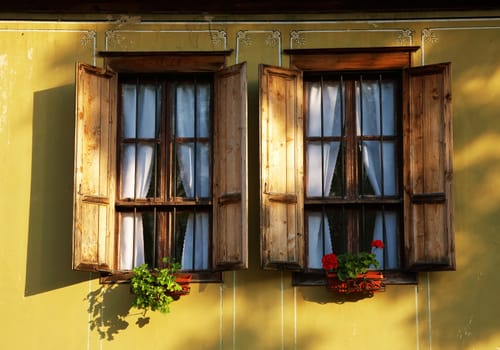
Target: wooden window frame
point(352, 197)
point(425, 248)
point(94, 240)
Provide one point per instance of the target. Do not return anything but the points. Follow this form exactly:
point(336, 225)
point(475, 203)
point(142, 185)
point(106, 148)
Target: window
point(160, 165)
point(355, 146)
point(351, 138)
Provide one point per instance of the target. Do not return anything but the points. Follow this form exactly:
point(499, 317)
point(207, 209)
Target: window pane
point(375, 156)
point(326, 234)
point(138, 232)
point(382, 225)
point(192, 239)
point(141, 106)
point(326, 121)
point(203, 127)
point(375, 99)
point(389, 107)
point(324, 169)
point(186, 108)
point(129, 108)
point(193, 182)
point(137, 172)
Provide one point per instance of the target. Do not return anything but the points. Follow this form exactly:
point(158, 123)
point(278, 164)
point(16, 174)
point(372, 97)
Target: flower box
point(183, 279)
point(367, 283)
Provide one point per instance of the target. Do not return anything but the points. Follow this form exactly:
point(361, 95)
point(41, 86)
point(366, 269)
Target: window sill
point(198, 277)
point(318, 279)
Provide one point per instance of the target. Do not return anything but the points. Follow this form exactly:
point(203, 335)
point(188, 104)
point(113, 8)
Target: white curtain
point(324, 121)
point(194, 164)
point(137, 164)
point(375, 116)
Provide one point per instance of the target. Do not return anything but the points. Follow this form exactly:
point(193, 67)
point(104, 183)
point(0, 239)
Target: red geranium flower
point(329, 261)
point(377, 243)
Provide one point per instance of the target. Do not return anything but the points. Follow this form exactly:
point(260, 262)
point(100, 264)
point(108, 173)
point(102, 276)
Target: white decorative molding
point(429, 36)
point(402, 36)
point(219, 38)
point(273, 40)
point(117, 38)
point(243, 38)
point(405, 38)
point(114, 39)
point(297, 37)
point(88, 39)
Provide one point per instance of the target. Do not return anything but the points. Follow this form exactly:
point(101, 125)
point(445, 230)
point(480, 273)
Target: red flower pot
point(183, 279)
point(369, 282)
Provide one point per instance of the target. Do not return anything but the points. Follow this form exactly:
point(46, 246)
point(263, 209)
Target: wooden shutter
point(428, 174)
point(230, 208)
point(281, 157)
point(95, 144)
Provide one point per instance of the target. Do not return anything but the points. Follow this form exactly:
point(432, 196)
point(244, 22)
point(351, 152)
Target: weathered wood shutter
point(230, 208)
point(94, 191)
point(428, 174)
point(281, 166)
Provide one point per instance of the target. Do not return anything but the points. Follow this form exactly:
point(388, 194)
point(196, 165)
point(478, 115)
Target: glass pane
point(326, 121)
point(381, 225)
point(137, 171)
point(137, 239)
point(203, 183)
point(327, 182)
point(148, 111)
point(203, 109)
point(326, 234)
point(368, 107)
point(375, 99)
point(184, 110)
point(191, 183)
point(129, 110)
point(150, 225)
point(192, 241)
point(373, 157)
point(388, 107)
point(128, 172)
point(141, 106)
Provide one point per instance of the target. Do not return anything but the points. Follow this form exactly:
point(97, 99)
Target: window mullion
point(381, 143)
point(351, 165)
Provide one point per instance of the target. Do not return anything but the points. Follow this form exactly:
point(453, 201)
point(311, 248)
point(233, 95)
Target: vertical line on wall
point(282, 311)
point(237, 48)
point(295, 317)
point(417, 329)
point(429, 310)
point(221, 310)
point(280, 51)
point(89, 312)
point(234, 309)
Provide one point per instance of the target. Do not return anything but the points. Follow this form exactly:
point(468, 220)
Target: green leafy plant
point(348, 265)
point(154, 289)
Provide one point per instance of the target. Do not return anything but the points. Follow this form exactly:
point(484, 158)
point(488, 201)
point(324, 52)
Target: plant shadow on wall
point(48, 264)
point(109, 311)
point(149, 290)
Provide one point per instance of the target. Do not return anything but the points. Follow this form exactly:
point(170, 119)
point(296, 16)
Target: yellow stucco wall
point(45, 305)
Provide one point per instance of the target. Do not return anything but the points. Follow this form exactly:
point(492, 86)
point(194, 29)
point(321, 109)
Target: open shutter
point(281, 157)
point(230, 208)
point(95, 147)
point(428, 174)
